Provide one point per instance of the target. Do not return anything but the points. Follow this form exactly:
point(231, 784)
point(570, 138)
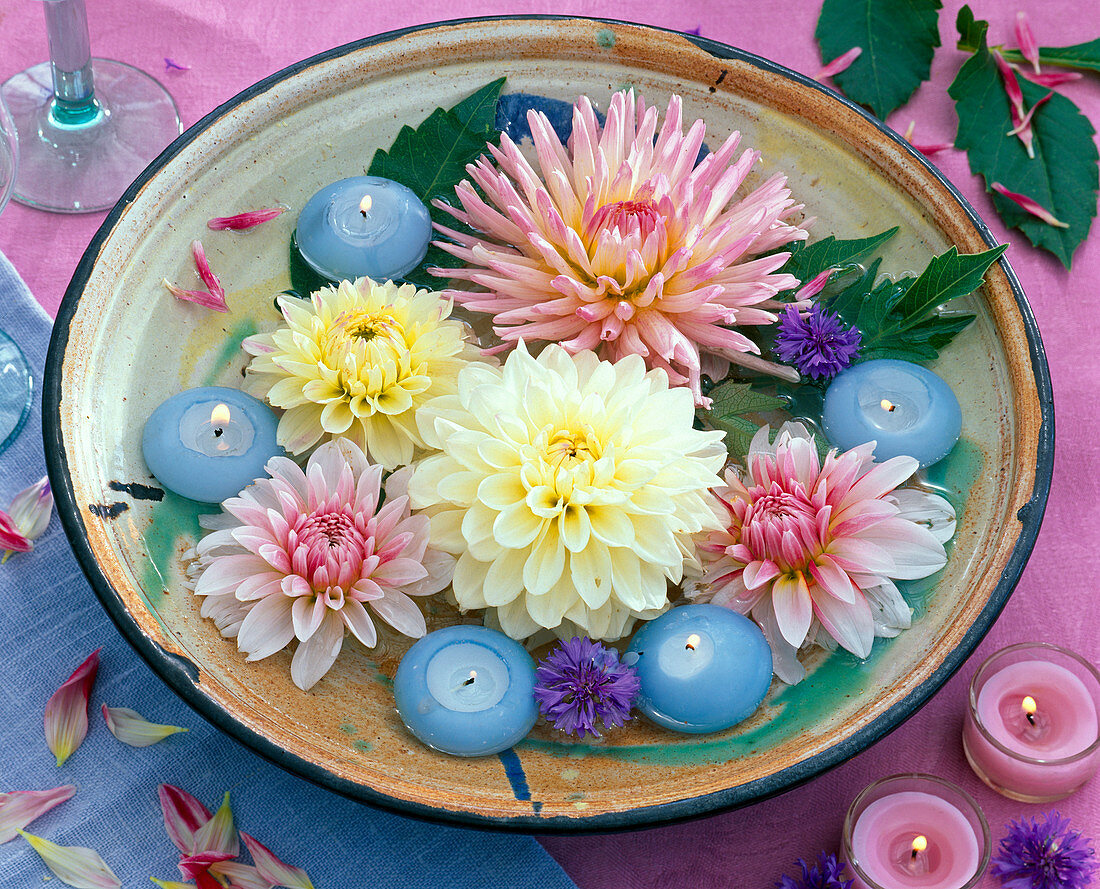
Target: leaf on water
point(431, 160)
point(728, 402)
point(898, 38)
point(810, 260)
point(1062, 177)
point(905, 318)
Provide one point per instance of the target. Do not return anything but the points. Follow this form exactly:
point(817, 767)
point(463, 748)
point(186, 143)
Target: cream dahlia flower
point(357, 361)
point(303, 555)
point(622, 243)
point(569, 488)
point(811, 550)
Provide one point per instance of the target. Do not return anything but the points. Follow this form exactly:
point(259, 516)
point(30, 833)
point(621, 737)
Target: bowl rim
point(181, 675)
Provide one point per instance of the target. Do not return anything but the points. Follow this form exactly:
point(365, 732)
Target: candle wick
point(218, 431)
point(1030, 718)
point(469, 681)
point(913, 855)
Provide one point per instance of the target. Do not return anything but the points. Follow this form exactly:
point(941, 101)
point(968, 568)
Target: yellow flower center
point(566, 449)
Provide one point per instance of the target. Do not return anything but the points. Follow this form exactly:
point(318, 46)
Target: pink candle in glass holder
point(1032, 730)
point(915, 832)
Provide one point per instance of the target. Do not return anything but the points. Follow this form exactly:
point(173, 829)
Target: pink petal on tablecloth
point(66, 719)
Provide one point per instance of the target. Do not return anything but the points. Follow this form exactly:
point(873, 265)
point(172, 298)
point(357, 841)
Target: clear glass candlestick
point(16, 387)
point(87, 126)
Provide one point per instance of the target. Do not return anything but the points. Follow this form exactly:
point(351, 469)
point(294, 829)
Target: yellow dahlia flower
point(568, 487)
point(358, 361)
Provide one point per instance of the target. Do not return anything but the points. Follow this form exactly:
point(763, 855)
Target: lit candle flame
point(365, 204)
point(920, 843)
point(220, 415)
point(692, 641)
point(1029, 706)
point(887, 405)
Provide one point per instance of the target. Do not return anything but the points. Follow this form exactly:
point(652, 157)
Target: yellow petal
point(75, 866)
point(130, 727)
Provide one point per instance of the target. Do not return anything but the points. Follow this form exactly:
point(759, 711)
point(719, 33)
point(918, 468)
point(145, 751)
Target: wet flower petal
point(1028, 204)
point(75, 866)
point(66, 717)
point(204, 299)
point(205, 272)
point(270, 868)
point(242, 221)
point(130, 727)
point(183, 816)
point(20, 807)
point(840, 63)
point(1029, 48)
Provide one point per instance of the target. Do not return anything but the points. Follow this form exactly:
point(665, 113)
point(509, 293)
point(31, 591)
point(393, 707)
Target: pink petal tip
point(243, 221)
point(1028, 204)
point(18, 808)
point(66, 718)
point(274, 870)
point(840, 63)
point(1029, 48)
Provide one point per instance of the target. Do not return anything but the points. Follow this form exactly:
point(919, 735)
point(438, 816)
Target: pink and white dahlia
point(811, 550)
point(622, 243)
point(302, 554)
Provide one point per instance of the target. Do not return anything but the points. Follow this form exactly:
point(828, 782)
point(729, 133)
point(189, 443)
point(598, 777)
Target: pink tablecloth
point(229, 45)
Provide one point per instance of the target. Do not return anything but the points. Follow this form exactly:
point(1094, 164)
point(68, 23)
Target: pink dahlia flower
point(302, 555)
point(811, 550)
point(622, 243)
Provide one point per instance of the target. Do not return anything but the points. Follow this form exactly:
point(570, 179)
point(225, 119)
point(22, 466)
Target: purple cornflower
point(1044, 856)
point(826, 874)
point(581, 682)
point(817, 344)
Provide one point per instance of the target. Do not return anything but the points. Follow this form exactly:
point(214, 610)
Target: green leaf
point(898, 38)
point(728, 402)
point(1080, 55)
point(810, 260)
point(904, 318)
point(1063, 175)
point(431, 160)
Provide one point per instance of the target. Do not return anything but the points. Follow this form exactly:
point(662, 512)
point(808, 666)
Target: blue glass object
point(702, 668)
point(363, 226)
point(16, 390)
point(467, 691)
point(209, 444)
point(905, 408)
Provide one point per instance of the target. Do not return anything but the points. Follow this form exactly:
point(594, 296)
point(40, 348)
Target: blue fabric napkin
point(50, 621)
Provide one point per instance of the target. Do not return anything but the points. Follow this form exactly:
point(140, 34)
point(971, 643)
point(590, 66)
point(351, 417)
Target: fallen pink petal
point(1029, 48)
point(173, 65)
point(1053, 78)
point(74, 866)
point(26, 519)
point(204, 299)
point(18, 808)
point(243, 221)
point(274, 870)
point(130, 727)
point(1028, 204)
point(240, 876)
point(1023, 128)
point(183, 816)
point(840, 63)
point(205, 272)
point(814, 286)
point(218, 836)
point(1012, 87)
point(66, 717)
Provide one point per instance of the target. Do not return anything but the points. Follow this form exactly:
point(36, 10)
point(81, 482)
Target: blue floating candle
point(701, 668)
point(467, 691)
point(364, 226)
point(209, 444)
point(905, 408)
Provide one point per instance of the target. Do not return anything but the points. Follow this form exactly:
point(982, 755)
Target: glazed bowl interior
point(122, 345)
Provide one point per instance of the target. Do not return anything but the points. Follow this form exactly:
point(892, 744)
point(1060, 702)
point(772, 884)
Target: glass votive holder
point(915, 832)
point(1032, 732)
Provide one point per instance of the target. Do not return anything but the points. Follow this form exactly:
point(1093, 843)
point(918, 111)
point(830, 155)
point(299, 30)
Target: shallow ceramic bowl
point(122, 345)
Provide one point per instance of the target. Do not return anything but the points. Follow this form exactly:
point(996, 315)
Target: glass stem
point(74, 102)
